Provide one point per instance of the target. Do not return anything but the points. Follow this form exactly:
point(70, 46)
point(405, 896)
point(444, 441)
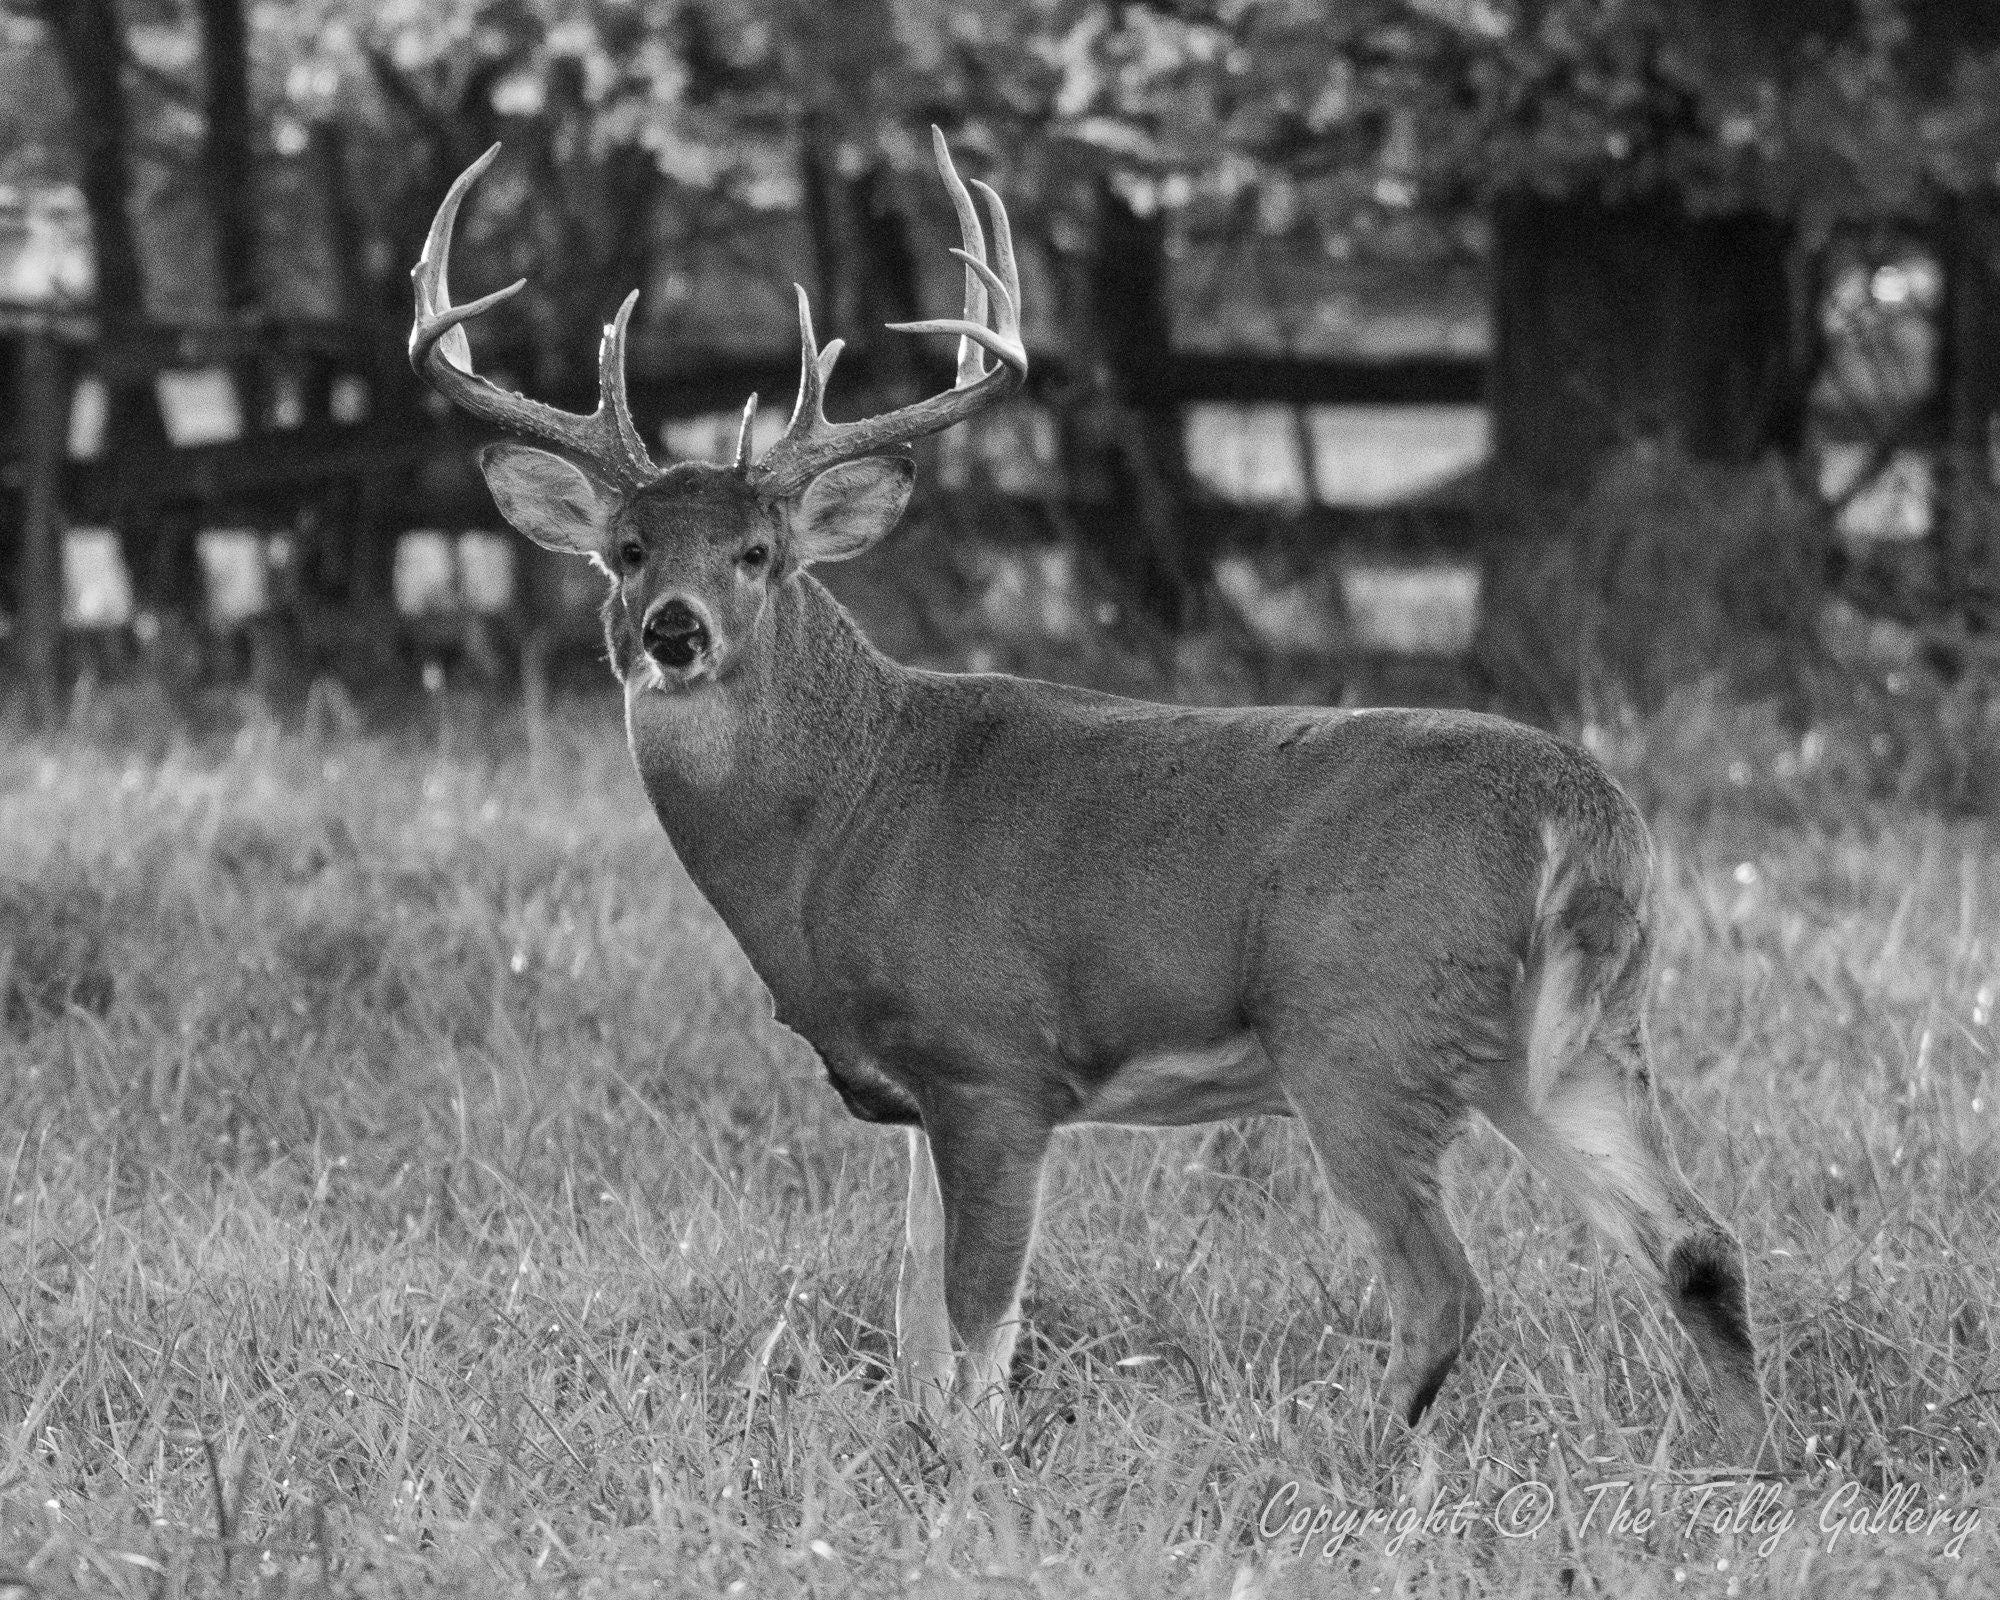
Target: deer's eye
point(632, 555)
point(756, 558)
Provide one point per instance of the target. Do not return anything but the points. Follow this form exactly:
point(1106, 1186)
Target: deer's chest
point(862, 1044)
point(868, 1092)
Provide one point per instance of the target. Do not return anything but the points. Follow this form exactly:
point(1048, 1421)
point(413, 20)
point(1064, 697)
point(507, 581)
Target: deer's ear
point(547, 498)
point(849, 507)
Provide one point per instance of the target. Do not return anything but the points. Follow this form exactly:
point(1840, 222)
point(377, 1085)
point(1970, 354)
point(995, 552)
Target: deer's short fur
point(998, 907)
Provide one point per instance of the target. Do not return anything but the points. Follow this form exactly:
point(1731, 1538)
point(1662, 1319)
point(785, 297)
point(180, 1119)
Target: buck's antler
point(812, 444)
point(606, 441)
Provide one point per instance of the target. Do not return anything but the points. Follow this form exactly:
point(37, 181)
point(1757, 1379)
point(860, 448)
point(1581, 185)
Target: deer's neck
point(755, 776)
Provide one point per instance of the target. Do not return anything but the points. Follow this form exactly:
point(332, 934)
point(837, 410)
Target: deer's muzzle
point(676, 634)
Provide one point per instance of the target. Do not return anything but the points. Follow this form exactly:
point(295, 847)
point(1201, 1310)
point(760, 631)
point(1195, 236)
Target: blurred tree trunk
point(356, 563)
point(90, 41)
point(41, 412)
point(1125, 451)
point(347, 245)
point(887, 288)
point(231, 182)
point(379, 230)
point(849, 66)
point(595, 217)
point(1618, 322)
point(821, 202)
point(1969, 389)
point(865, 268)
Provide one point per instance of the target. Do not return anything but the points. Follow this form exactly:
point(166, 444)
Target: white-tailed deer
point(997, 908)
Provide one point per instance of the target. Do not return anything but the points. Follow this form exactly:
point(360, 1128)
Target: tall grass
point(407, 1189)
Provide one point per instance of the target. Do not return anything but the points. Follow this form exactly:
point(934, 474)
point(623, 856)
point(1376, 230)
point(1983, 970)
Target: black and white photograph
point(1084, 799)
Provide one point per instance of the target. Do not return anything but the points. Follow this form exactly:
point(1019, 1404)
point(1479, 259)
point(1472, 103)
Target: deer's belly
point(1199, 1083)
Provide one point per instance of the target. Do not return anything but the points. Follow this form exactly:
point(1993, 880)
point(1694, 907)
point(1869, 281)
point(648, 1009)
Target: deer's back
point(1030, 778)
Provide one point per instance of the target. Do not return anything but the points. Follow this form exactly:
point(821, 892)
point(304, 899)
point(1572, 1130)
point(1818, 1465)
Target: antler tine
point(815, 368)
point(743, 436)
point(812, 444)
point(437, 319)
point(971, 366)
point(1005, 286)
point(606, 441)
point(1003, 254)
point(611, 384)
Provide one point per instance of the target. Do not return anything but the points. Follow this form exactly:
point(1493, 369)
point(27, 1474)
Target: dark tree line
point(1652, 185)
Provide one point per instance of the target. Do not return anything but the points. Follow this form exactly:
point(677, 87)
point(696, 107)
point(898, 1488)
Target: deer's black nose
point(674, 635)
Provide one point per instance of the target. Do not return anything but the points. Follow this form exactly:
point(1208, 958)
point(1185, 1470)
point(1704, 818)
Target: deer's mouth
point(656, 679)
point(654, 676)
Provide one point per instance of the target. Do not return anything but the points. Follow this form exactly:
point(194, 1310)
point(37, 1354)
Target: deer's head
point(694, 550)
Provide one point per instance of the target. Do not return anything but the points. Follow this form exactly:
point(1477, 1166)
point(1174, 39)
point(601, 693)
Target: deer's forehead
point(696, 500)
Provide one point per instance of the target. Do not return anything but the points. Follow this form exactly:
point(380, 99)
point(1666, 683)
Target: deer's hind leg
point(1379, 1134)
point(1582, 1108)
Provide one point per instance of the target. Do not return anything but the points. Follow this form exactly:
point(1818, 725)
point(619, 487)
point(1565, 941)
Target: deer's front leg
point(923, 1328)
point(987, 1155)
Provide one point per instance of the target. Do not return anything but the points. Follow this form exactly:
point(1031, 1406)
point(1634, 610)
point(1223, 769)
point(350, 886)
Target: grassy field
point(407, 1191)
